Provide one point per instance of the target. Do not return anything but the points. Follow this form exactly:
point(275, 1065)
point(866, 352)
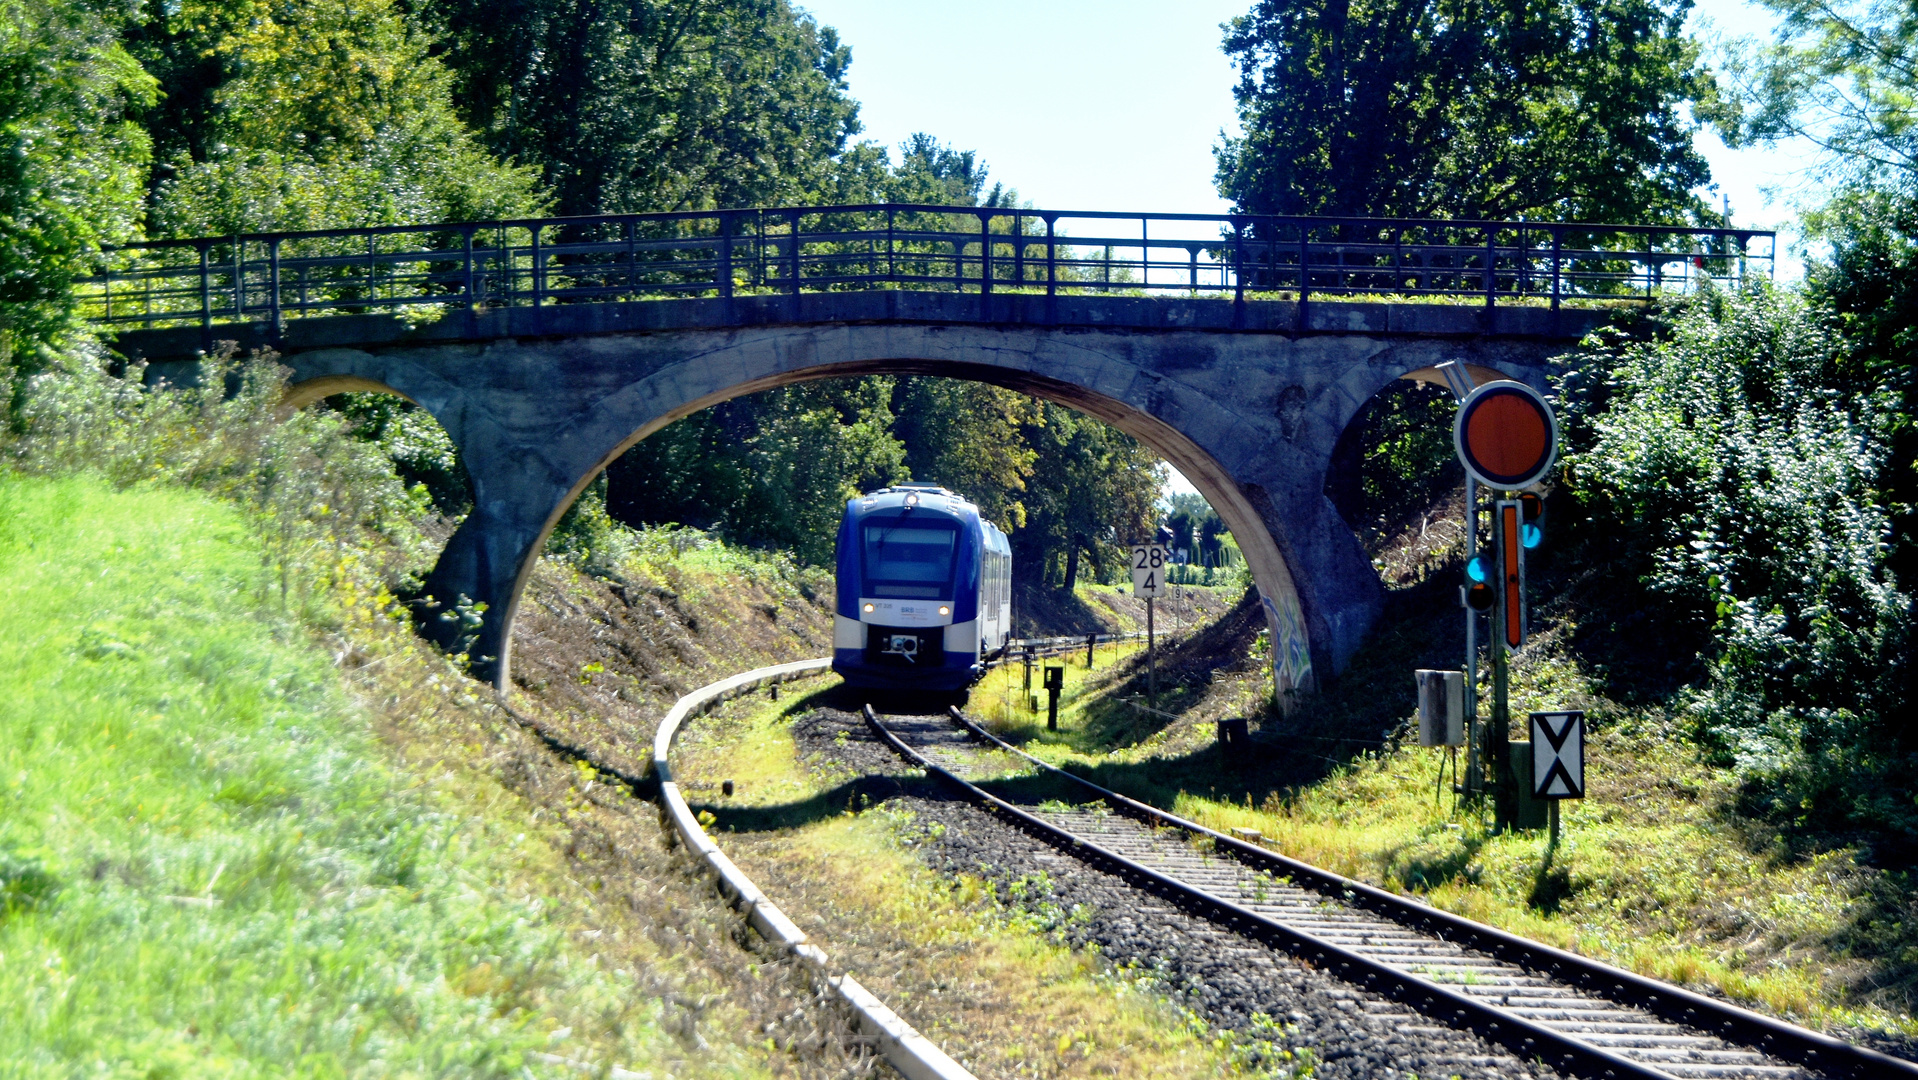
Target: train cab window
point(909, 560)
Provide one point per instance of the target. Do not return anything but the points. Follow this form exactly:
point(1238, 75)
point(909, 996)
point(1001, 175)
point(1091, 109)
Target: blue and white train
point(925, 590)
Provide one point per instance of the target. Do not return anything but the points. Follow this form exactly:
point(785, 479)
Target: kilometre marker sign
point(1149, 565)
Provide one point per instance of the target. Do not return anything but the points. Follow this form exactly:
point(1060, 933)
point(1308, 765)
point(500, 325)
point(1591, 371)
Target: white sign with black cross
point(1558, 755)
point(1149, 565)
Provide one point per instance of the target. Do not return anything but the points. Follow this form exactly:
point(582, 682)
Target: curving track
point(1572, 1013)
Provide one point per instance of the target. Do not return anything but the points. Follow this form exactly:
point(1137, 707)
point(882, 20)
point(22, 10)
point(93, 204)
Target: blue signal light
point(1531, 535)
point(1478, 568)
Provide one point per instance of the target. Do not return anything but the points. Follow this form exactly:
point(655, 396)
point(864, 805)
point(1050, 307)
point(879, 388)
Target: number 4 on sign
point(1558, 755)
point(1148, 569)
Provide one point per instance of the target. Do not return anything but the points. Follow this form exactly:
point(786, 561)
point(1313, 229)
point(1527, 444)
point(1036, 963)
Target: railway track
point(1574, 1014)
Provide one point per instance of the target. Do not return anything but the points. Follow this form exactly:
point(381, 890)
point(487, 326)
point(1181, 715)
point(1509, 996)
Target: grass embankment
point(1655, 872)
point(1047, 611)
point(988, 985)
point(210, 864)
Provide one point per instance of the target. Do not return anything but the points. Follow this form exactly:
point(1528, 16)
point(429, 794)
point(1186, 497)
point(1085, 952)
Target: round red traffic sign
point(1506, 435)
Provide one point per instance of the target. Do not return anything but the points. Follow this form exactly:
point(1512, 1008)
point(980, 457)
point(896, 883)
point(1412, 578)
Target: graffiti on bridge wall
point(1291, 657)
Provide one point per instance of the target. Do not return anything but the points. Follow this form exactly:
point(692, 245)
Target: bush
point(1725, 468)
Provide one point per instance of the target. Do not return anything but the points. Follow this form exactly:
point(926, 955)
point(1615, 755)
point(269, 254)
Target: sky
point(1117, 104)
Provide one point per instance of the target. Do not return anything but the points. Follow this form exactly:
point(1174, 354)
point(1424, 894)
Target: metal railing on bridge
point(427, 271)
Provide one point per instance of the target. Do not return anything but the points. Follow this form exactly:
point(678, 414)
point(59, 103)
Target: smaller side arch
point(301, 394)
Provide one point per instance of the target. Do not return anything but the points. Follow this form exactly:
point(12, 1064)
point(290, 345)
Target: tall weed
point(316, 495)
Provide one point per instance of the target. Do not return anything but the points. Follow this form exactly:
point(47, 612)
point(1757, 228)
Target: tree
point(1573, 109)
point(773, 469)
point(1720, 469)
point(929, 172)
point(1093, 489)
point(1844, 75)
point(655, 104)
point(1840, 73)
point(71, 163)
point(316, 114)
point(1203, 528)
point(969, 436)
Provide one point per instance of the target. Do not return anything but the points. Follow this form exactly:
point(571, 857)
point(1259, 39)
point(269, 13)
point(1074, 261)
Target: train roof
point(930, 497)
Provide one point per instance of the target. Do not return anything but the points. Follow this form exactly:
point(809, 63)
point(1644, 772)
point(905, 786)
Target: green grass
point(207, 865)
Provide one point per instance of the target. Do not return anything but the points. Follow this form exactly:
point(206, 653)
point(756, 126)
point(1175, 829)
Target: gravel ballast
point(1233, 982)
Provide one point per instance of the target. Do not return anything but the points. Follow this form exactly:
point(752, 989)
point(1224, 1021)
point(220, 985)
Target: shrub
point(1744, 488)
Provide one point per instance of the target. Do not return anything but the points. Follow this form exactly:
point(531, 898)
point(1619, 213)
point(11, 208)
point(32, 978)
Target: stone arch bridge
point(1238, 348)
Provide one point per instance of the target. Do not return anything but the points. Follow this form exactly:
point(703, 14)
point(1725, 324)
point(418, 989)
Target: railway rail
point(1576, 1015)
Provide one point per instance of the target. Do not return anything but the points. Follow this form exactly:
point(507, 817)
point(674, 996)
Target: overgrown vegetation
point(1417, 109)
point(1724, 473)
point(257, 826)
point(775, 469)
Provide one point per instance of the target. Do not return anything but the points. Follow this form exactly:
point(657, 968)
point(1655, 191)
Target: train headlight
point(912, 500)
point(868, 609)
point(944, 610)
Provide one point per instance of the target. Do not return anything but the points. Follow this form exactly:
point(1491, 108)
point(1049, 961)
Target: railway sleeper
point(1535, 1000)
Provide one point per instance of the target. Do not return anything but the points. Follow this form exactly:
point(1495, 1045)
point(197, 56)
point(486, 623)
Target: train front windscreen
point(909, 561)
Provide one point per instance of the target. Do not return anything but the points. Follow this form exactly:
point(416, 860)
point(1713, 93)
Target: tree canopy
point(1843, 75)
point(654, 104)
point(1466, 108)
point(72, 163)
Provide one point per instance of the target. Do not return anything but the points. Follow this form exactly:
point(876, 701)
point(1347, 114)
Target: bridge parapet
point(476, 280)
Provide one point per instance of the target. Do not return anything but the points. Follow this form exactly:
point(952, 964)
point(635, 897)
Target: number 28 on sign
point(1149, 565)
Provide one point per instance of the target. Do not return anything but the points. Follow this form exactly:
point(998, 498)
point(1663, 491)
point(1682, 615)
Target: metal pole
point(1499, 739)
point(206, 299)
point(1018, 249)
point(273, 286)
point(726, 262)
point(1091, 640)
point(1491, 263)
point(1305, 259)
point(1238, 273)
point(239, 280)
point(1052, 260)
point(1152, 657)
point(985, 255)
point(1474, 746)
point(539, 278)
point(792, 219)
point(472, 301)
point(1558, 246)
point(632, 276)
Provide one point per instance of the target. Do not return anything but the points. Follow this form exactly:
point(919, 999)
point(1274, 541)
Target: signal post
point(1507, 439)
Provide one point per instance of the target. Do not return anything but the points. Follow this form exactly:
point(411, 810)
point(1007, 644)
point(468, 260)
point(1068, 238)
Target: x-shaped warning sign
point(1558, 755)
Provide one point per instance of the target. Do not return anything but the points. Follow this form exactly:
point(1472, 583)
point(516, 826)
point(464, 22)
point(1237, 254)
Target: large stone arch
point(1250, 418)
